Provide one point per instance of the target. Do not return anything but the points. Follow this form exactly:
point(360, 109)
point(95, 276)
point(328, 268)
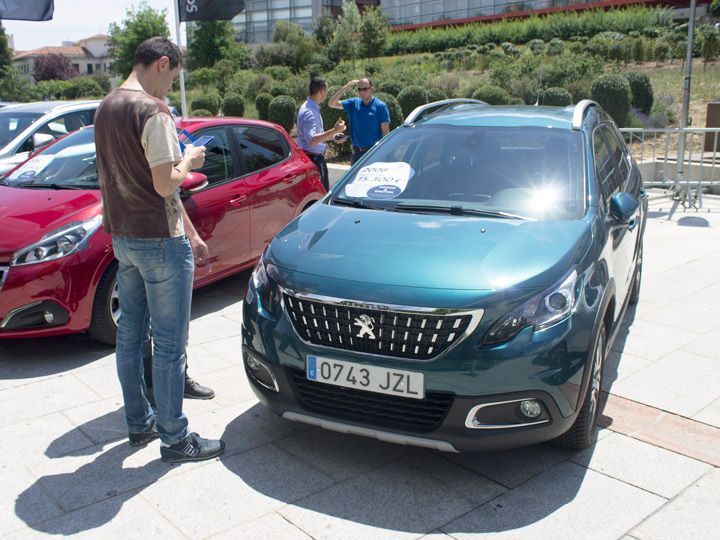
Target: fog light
point(530, 408)
point(49, 317)
point(259, 372)
point(253, 363)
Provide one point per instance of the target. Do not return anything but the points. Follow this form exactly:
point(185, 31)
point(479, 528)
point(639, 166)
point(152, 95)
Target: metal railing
point(684, 178)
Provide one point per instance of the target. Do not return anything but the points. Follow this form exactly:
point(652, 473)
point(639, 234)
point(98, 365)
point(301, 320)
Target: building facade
point(87, 56)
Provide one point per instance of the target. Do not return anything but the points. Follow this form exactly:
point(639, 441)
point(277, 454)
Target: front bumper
point(547, 366)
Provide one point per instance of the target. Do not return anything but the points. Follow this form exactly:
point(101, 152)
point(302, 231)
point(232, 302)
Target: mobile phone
point(203, 141)
point(339, 137)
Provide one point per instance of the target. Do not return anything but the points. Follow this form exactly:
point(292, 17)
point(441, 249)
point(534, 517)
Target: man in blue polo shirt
point(311, 135)
point(369, 117)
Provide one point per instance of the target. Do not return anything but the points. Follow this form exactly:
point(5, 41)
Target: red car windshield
point(68, 163)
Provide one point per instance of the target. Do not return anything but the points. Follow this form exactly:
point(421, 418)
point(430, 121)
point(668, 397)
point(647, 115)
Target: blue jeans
point(155, 277)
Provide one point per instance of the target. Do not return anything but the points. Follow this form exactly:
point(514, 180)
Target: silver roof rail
point(579, 112)
point(420, 111)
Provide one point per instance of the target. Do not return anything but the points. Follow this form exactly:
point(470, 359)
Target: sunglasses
point(364, 88)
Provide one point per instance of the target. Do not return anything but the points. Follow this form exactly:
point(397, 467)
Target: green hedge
point(558, 97)
point(492, 95)
point(642, 91)
point(233, 105)
point(262, 103)
point(282, 110)
point(613, 93)
point(208, 102)
point(201, 112)
point(394, 108)
point(411, 97)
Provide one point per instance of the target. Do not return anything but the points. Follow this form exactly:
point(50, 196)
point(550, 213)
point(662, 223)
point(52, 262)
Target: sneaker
point(192, 448)
point(194, 390)
point(141, 438)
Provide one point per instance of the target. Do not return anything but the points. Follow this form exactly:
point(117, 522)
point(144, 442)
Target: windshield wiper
point(355, 203)
point(46, 185)
point(456, 210)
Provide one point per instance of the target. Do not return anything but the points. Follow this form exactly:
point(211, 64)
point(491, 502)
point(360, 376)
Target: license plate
point(396, 382)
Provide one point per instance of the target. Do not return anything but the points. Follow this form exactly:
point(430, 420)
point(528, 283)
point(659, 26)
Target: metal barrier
point(686, 179)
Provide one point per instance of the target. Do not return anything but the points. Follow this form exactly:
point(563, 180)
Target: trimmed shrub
point(280, 89)
point(613, 93)
point(279, 73)
point(260, 83)
point(233, 105)
point(282, 111)
point(396, 112)
point(411, 97)
point(82, 87)
point(492, 95)
point(642, 92)
point(558, 97)
point(390, 87)
point(209, 102)
point(536, 45)
point(330, 116)
point(556, 47)
point(51, 89)
point(435, 94)
point(661, 51)
point(262, 103)
point(201, 112)
point(516, 101)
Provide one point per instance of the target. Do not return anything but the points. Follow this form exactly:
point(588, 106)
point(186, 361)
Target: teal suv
point(460, 286)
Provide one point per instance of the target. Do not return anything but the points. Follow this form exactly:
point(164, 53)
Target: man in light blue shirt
point(311, 135)
point(369, 117)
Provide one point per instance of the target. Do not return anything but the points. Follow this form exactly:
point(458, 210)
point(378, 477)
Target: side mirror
point(41, 139)
point(622, 207)
point(194, 181)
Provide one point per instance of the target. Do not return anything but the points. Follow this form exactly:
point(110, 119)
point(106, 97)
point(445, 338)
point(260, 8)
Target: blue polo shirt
point(365, 120)
point(309, 124)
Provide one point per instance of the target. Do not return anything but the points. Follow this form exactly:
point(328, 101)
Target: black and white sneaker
point(192, 448)
point(143, 437)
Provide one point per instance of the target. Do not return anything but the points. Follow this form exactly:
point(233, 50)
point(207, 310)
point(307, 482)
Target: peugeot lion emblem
point(366, 324)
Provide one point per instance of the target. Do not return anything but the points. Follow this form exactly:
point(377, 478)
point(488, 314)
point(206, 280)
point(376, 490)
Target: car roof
point(502, 116)
point(207, 121)
point(45, 107)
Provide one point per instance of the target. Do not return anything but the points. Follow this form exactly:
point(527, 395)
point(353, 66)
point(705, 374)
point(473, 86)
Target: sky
point(77, 19)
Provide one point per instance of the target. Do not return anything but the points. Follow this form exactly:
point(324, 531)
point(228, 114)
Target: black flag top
point(208, 10)
point(27, 10)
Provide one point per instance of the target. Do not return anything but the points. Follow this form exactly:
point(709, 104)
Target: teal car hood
point(429, 250)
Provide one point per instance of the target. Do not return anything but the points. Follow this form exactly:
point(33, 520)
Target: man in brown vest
point(140, 167)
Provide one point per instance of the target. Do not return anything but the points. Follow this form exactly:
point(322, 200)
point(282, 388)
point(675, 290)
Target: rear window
point(529, 171)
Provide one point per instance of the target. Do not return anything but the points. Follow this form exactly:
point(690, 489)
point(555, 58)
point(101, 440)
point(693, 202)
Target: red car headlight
point(57, 244)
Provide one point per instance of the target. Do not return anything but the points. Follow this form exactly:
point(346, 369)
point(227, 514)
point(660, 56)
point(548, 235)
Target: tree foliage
point(139, 24)
point(374, 30)
point(5, 54)
point(53, 67)
point(213, 41)
point(324, 28)
point(14, 86)
point(345, 44)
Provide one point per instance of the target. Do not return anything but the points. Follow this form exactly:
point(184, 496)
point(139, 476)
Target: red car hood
point(26, 215)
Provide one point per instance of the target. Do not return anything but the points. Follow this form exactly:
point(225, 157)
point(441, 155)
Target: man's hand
point(339, 126)
point(195, 155)
point(199, 249)
point(351, 83)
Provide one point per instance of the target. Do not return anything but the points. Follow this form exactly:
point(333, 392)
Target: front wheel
point(583, 432)
point(106, 308)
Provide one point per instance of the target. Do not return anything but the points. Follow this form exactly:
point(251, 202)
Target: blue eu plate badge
point(312, 368)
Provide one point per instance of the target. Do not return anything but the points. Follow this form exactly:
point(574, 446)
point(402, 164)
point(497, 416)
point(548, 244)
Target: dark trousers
point(321, 164)
point(357, 154)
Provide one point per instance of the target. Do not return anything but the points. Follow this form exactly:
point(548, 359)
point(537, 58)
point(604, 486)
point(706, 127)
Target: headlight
point(263, 284)
point(64, 241)
point(541, 311)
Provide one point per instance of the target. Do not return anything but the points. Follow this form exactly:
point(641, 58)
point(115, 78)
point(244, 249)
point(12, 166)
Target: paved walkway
point(67, 469)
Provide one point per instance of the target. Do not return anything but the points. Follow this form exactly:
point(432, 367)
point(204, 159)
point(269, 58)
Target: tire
point(583, 432)
point(637, 279)
point(103, 325)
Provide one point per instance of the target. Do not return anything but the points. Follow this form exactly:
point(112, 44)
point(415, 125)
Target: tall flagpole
point(183, 101)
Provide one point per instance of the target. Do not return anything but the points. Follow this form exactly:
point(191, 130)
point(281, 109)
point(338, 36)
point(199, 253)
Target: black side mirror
point(622, 207)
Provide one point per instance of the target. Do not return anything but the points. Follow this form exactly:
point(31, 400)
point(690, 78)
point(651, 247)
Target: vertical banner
point(27, 10)
point(209, 10)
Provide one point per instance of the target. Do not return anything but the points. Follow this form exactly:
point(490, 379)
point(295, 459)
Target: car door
point(220, 212)
point(613, 172)
point(272, 175)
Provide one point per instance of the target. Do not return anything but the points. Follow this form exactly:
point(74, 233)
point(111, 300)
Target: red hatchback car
point(57, 270)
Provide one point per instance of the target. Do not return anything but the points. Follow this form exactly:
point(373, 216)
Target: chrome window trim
point(470, 418)
point(475, 314)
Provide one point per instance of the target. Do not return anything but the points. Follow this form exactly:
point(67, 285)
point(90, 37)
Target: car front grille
point(402, 333)
point(381, 410)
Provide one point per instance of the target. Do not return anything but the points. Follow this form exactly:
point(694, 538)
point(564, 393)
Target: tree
point(714, 8)
point(288, 32)
point(324, 28)
point(374, 32)
point(346, 39)
point(53, 67)
point(139, 24)
point(5, 54)
point(14, 86)
point(212, 41)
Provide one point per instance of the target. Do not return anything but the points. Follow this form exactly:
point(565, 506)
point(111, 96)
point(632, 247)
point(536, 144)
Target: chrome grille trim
point(396, 311)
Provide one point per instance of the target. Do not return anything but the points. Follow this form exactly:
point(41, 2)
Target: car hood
point(26, 215)
point(429, 251)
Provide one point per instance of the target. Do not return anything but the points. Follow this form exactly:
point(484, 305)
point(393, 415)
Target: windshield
point(529, 172)
point(69, 162)
point(12, 124)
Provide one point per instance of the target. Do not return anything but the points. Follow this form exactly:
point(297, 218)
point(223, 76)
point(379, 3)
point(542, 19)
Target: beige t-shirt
point(160, 142)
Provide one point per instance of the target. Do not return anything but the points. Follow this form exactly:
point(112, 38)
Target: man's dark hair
point(154, 48)
point(317, 84)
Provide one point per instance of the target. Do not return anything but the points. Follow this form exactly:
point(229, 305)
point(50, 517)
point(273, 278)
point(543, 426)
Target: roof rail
point(579, 112)
point(422, 110)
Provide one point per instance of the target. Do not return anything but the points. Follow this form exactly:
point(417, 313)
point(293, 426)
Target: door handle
point(289, 179)
point(237, 201)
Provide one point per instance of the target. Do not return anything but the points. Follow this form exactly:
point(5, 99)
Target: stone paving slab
point(67, 469)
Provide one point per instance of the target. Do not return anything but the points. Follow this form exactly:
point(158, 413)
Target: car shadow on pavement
point(106, 478)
